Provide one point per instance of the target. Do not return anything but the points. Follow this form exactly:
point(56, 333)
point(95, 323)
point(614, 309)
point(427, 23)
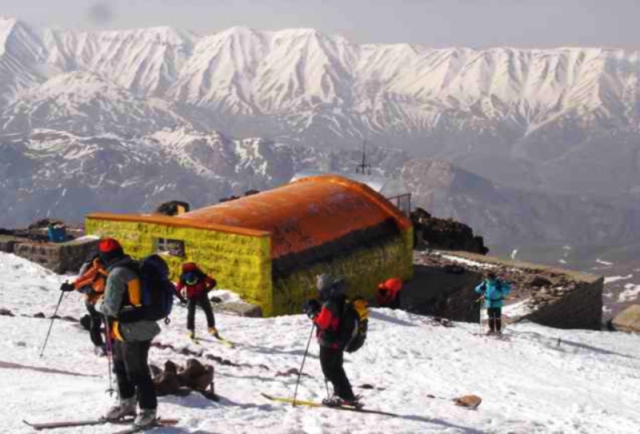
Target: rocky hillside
point(537, 119)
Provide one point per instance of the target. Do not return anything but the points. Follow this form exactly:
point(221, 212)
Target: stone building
point(268, 247)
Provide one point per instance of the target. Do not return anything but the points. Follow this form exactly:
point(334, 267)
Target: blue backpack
point(157, 289)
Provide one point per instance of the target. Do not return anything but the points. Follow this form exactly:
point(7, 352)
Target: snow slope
point(540, 381)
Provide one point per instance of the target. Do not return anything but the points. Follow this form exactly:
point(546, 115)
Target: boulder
point(628, 320)
point(241, 309)
point(175, 207)
point(539, 281)
point(5, 312)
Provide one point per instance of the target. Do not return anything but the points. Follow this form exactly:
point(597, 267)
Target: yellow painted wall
point(363, 270)
point(241, 263)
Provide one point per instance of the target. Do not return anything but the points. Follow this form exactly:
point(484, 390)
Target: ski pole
point(295, 393)
point(480, 303)
point(55, 313)
point(107, 331)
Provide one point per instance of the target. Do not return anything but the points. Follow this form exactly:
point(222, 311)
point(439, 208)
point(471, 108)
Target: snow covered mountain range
point(122, 103)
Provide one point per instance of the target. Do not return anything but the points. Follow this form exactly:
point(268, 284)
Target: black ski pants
point(332, 361)
point(395, 304)
point(205, 304)
point(131, 366)
point(95, 327)
point(495, 318)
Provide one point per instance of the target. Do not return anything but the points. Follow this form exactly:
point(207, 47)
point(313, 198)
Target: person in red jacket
point(326, 317)
point(194, 285)
point(388, 293)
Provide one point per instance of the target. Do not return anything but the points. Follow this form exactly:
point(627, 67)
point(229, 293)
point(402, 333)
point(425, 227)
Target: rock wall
point(445, 292)
point(59, 258)
point(576, 307)
point(7, 243)
point(554, 297)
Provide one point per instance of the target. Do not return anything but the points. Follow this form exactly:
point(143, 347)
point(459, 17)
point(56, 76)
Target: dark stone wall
point(59, 258)
point(446, 292)
point(579, 307)
point(7, 245)
point(558, 298)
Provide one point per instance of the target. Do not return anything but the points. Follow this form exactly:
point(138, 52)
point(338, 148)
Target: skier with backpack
point(493, 291)
point(135, 297)
point(194, 285)
point(91, 283)
point(342, 326)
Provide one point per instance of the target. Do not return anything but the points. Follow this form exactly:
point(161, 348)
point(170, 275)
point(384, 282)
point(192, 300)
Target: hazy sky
point(474, 23)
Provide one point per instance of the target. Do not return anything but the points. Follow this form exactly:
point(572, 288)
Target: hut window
point(165, 246)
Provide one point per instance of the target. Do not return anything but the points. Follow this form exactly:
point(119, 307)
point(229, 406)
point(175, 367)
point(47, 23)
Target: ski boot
point(145, 418)
point(192, 336)
point(336, 401)
point(213, 332)
point(355, 402)
point(126, 407)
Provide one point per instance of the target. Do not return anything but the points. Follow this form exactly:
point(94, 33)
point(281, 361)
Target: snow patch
point(616, 278)
point(630, 293)
point(468, 262)
point(518, 309)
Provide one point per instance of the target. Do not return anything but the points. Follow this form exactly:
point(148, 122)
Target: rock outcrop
point(628, 320)
point(435, 233)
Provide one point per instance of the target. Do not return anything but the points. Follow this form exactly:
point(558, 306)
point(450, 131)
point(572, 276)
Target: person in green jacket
point(131, 338)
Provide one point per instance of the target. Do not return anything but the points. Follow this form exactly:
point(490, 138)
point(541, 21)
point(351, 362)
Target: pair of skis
point(218, 338)
point(470, 402)
point(101, 421)
point(318, 404)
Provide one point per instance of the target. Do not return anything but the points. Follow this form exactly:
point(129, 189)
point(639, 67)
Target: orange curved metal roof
point(304, 214)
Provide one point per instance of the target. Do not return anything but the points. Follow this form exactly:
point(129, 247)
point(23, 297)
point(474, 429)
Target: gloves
point(312, 308)
point(67, 287)
point(181, 296)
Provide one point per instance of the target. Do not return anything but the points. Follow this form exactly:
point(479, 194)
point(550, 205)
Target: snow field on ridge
point(541, 380)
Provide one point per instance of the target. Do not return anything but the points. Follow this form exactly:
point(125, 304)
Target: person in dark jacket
point(131, 338)
point(194, 286)
point(91, 282)
point(493, 291)
point(326, 316)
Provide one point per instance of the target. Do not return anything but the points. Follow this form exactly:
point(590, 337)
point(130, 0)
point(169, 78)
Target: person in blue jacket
point(493, 292)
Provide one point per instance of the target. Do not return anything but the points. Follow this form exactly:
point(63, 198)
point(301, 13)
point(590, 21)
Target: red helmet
point(189, 266)
point(393, 284)
point(110, 250)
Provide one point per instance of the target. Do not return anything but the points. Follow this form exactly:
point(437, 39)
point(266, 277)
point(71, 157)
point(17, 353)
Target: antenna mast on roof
point(364, 168)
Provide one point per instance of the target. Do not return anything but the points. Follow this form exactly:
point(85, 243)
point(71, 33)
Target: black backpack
point(157, 291)
point(354, 324)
